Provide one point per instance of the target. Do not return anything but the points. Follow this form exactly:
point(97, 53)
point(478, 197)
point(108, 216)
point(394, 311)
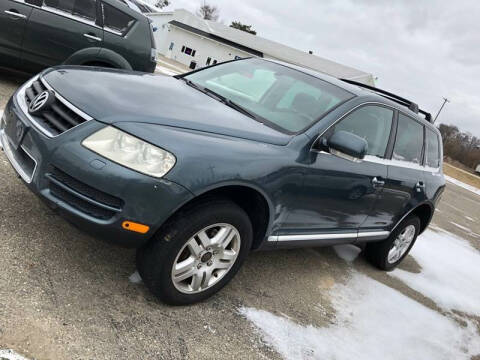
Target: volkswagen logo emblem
point(41, 102)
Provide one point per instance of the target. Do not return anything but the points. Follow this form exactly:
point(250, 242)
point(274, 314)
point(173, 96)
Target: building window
point(193, 65)
point(209, 60)
point(214, 62)
point(171, 46)
point(183, 48)
point(188, 51)
point(193, 53)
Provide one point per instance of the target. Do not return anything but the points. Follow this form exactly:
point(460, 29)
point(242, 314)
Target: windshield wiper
point(222, 99)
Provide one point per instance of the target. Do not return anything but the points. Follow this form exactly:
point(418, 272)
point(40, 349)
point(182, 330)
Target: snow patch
point(463, 185)
point(165, 71)
point(11, 355)
point(465, 229)
point(469, 218)
point(449, 273)
point(135, 278)
point(347, 252)
point(373, 321)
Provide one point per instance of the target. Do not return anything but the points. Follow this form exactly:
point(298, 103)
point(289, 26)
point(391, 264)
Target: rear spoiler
point(398, 99)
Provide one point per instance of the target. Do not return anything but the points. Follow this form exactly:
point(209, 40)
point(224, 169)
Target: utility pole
point(445, 100)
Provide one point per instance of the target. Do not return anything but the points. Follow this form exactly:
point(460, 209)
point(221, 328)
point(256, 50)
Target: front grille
point(56, 118)
point(103, 206)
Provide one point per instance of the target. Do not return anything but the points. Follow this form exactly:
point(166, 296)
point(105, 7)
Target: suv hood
point(113, 96)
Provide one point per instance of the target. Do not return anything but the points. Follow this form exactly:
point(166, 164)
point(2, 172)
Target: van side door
point(405, 185)
point(59, 29)
point(13, 20)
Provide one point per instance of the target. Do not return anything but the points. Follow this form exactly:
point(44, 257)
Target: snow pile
point(165, 71)
point(373, 321)
point(347, 252)
point(135, 278)
point(463, 185)
point(450, 271)
point(11, 355)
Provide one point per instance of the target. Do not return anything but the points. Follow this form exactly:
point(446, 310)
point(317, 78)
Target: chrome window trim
point(8, 152)
point(375, 159)
point(308, 237)
point(20, 99)
point(62, 13)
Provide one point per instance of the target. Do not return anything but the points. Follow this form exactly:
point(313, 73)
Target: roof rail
point(398, 99)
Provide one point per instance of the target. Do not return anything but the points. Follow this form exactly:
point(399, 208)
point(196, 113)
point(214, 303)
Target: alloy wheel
point(401, 244)
point(206, 258)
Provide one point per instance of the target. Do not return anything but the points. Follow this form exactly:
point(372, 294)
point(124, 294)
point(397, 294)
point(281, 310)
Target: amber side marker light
point(133, 226)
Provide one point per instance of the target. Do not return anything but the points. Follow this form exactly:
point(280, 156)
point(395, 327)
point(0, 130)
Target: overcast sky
point(420, 49)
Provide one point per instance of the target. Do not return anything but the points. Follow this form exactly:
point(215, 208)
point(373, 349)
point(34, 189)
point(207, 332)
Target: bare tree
point(208, 12)
point(247, 28)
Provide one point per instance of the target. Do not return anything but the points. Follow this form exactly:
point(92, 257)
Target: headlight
point(131, 152)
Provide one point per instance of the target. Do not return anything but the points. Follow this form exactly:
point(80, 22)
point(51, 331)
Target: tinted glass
point(282, 97)
point(409, 141)
point(64, 5)
point(83, 8)
point(116, 19)
point(372, 123)
point(433, 151)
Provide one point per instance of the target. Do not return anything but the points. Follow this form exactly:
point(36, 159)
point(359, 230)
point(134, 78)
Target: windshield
point(277, 95)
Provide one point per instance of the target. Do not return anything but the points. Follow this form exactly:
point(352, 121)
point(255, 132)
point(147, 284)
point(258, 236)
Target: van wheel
point(196, 253)
point(387, 254)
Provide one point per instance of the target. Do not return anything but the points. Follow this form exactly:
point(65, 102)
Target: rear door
point(405, 185)
point(59, 29)
point(13, 20)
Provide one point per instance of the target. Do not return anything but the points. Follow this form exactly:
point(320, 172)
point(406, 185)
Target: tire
point(377, 253)
point(212, 266)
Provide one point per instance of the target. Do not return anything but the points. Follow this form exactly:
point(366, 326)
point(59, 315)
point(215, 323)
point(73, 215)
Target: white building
point(195, 42)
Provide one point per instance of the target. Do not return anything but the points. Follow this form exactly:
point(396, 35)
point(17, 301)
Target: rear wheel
point(197, 253)
point(387, 254)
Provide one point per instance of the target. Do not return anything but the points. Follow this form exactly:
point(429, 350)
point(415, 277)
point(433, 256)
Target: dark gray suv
point(36, 34)
point(198, 170)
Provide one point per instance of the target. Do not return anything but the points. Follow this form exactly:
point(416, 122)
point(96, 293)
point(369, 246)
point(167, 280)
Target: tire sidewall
point(158, 259)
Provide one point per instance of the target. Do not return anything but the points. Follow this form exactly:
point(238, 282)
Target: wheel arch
point(250, 198)
point(95, 54)
point(424, 211)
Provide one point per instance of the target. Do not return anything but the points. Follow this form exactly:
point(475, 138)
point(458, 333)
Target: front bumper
point(92, 192)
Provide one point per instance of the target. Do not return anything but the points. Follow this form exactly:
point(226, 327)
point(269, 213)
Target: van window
point(82, 8)
point(433, 150)
point(372, 123)
point(409, 142)
point(116, 20)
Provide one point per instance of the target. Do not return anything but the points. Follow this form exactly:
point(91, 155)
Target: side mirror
point(347, 146)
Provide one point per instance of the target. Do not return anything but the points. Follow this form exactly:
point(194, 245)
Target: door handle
point(420, 186)
point(15, 13)
point(92, 37)
point(376, 182)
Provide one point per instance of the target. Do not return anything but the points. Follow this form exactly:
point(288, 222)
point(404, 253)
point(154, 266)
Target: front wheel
point(387, 254)
point(197, 253)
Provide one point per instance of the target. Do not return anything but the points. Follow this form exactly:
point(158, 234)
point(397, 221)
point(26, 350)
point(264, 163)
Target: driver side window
point(372, 123)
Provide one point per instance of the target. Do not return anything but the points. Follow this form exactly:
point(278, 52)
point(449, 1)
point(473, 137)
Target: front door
point(13, 20)
point(339, 194)
point(59, 29)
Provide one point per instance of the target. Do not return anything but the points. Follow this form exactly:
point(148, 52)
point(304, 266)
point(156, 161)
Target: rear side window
point(83, 8)
point(372, 123)
point(433, 149)
point(409, 142)
point(116, 20)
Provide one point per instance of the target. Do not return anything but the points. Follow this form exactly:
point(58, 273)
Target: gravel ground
point(65, 295)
